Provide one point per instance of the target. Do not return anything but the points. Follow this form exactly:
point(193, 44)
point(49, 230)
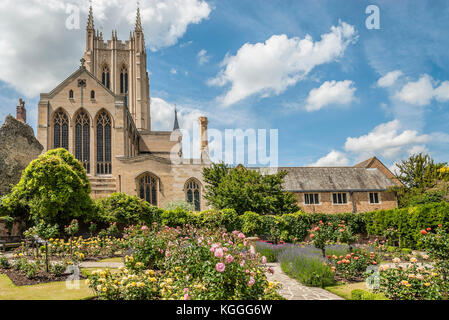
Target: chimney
point(203, 137)
point(21, 113)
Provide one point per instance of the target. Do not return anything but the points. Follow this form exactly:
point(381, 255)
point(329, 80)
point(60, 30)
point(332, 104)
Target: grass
point(344, 290)
point(46, 291)
point(116, 259)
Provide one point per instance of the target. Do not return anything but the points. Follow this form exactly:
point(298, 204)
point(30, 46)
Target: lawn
point(116, 259)
point(46, 291)
point(344, 290)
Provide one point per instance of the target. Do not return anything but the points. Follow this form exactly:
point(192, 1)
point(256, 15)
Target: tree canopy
point(53, 188)
point(245, 190)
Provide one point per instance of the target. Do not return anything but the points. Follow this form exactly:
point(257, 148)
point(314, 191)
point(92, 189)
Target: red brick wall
point(361, 201)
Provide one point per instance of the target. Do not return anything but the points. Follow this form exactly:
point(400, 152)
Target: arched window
point(106, 77)
point(104, 164)
point(148, 185)
point(71, 94)
point(193, 194)
point(82, 140)
point(61, 130)
point(92, 95)
point(124, 80)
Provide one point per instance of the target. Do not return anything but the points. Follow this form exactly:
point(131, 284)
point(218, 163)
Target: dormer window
point(71, 94)
point(92, 95)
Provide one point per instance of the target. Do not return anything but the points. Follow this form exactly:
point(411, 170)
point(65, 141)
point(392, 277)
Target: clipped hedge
point(359, 294)
point(408, 221)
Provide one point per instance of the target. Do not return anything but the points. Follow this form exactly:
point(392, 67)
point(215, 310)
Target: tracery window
point(82, 140)
point(193, 194)
point(61, 130)
point(104, 158)
point(124, 80)
point(106, 77)
point(148, 185)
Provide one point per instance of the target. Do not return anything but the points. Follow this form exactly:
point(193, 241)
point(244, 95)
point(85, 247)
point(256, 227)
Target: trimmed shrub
point(126, 210)
point(251, 223)
point(359, 294)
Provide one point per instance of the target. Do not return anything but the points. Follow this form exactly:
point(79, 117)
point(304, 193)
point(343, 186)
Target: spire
point(176, 125)
point(90, 21)
point(138, 21)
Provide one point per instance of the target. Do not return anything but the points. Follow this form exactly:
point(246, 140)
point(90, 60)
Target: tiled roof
point(323, 179)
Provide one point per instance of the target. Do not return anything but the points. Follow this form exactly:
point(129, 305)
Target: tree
point(420, 176)
point(419, 171)
point(53, 188)
point(247, 190)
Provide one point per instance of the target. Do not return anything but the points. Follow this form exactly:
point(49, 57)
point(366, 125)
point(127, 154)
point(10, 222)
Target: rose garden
point(126, 249)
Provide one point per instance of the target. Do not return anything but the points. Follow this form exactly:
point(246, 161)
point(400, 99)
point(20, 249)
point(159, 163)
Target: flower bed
point(190, 264)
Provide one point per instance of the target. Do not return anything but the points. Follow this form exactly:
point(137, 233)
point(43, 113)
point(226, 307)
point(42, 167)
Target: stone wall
point(18, 147)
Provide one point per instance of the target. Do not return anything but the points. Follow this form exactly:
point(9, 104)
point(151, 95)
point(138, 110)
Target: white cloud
point(387, 140)
point(333, 158)
point(270, 68)
point(173, 71)
point(163, 115)
point(418, 149)
point(421, 92)
point(442, 92)
point(203, 58)
point(37, 51)
point(418, 93)
point(389, 79)
point(331, 92)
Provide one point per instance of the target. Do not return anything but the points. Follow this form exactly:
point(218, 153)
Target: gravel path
point(294, 290)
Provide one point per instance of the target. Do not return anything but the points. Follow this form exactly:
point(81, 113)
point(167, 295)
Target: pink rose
point(220, 267)
point(229, 258)
point(251, 281)
point(144, 228)
point(186, 296)
point(219, 253)
point(264, 259)
point(241, 235)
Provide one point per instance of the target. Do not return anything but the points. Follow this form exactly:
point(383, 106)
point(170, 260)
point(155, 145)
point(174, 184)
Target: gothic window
point(61, 130)
point(104, 158)
point(71, 94)
point(82, 140)
point(106, 77)
point(92, 95)
point(193, 194)
point(124, 80)
point(148, 185)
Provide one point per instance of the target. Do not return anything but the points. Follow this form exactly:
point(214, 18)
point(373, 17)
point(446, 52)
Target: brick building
point(342, 189)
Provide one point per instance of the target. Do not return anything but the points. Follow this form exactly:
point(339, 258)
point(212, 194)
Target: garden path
point(294, 290)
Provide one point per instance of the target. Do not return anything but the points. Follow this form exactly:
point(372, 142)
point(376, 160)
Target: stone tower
point(122, 68)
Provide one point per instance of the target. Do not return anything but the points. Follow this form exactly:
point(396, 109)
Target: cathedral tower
point(122, 68)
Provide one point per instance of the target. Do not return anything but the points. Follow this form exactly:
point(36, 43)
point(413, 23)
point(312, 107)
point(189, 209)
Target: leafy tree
point(247, 190)
point(420, 176)
point(180, 204)
point(419, 171)
point(53, 188)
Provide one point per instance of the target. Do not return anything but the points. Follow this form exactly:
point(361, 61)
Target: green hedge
point(359, 294)
point(408, 221)
point(287, 227)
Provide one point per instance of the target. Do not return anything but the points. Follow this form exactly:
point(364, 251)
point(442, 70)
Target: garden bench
point(7, 242)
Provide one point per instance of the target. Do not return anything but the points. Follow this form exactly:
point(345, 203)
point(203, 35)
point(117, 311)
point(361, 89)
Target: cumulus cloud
point(422, 91)
point(386, 139)
point(332, 159)
point(389, 79)
point(270, 68)
point(37, 50)
point(203, 58)
point(163, 115)
point(331, 92)
point(418, 93)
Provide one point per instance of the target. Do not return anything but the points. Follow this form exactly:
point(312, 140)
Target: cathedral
point(101, 114)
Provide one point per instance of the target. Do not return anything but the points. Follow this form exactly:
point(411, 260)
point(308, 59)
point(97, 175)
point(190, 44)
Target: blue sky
point(255, 71)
